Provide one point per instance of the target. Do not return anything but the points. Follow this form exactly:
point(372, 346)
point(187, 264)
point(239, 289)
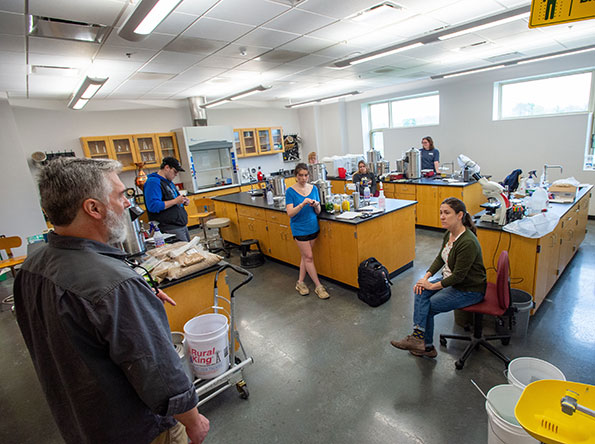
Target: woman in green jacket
point(463, 280)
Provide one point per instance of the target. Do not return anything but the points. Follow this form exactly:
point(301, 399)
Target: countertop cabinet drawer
point(404, 188)
point(277, 217)
point(257, 213)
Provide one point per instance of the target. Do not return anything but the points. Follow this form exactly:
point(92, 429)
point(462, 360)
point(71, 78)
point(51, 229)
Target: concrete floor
point(325, 372)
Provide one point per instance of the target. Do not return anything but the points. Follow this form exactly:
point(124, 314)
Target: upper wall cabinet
point(258, 141)
point(131, 149)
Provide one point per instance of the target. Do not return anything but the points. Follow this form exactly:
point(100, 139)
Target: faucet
point(544, 175)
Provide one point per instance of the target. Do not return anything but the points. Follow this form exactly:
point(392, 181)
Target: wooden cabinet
point(168, 145)
point(389, 190)
point(226, 209)
point(323, 249)
point(97, 147)
point(405, 191)
point(258, 141)
point(124, 152)
point(130, 149)
point(427, 207)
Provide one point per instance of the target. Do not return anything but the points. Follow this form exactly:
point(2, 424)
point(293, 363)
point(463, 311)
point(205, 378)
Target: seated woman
point(303, 205)
point(364, 177)
point(463, 278)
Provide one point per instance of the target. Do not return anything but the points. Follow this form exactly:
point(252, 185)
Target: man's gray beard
point(116, 226)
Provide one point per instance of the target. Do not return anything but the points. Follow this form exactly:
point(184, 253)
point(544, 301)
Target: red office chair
point(496, 302)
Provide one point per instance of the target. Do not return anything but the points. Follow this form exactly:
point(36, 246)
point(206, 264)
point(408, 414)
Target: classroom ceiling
point(215, 48)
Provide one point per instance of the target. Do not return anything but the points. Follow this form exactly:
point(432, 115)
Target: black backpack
point(374, 282)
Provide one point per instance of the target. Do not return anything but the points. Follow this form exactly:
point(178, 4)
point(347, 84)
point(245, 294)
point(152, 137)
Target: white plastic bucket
point(503, 428)
point(524, 371)
point(207, 345)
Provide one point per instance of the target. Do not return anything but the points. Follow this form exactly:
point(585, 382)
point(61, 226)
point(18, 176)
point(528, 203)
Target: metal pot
point(278, 186)
point(401, 165)
point(317, 171)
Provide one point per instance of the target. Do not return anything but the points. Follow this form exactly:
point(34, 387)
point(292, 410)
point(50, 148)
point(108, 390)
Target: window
point(561, 94)
point(401, 113)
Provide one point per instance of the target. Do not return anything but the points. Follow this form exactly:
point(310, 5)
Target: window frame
point(497, 105)
point(390, 112)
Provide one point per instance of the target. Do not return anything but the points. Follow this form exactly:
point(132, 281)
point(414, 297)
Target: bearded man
point(98, 335)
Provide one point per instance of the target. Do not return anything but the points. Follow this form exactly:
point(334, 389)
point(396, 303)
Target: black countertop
point(553, 209)
point(260, 202)
point(422, 181)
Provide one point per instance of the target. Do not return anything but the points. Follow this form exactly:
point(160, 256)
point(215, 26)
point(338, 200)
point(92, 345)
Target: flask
point(381, 200)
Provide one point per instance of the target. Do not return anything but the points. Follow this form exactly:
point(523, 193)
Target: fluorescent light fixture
point(555, 55)
point(145, 18)
point(322, 99)
point(235, 96)
point(85, 92)
point(378, 54)
point(484, 26)
point(473, 71)
point(376, 12)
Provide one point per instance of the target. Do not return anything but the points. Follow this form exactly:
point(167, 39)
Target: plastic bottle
point(270, 199)
point(367, 195)
point(158, 237)
point(259, 175)
point(381, 200)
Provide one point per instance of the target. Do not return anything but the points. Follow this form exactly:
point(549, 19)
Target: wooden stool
point(6, 243)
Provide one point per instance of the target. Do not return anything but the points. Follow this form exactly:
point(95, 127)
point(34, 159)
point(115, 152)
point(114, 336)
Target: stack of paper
point(347, 215)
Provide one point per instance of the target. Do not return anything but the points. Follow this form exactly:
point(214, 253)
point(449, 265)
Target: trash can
point(523, 304)
point(517, 324)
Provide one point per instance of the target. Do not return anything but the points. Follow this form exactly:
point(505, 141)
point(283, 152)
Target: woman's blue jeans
point(431, 302)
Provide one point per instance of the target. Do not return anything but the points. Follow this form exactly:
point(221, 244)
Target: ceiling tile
point(155, 41)
point(102, 12)
point(175, 60)
point(209, 28)
point(124, 53)
point(40, 45)
point(311, 61)
point(114, 68)
point(238, 51)
point(196, 7)
point(12, 43)
point(175, 23)
point(414, 26)
point(57, 60)
point(258, 66)
point(425, 6)
point(514, 3)
point(13, 83)
point(337, 8)
point(54, 87)
point(505, 30)
point(9, 57)
point(266, 38)
point(340, 50)
point(216, 61)
point(198, 74)
point(307, 44)
point(195, 45)
point(376, 39)
point(11, 23)
point(281, 56)
point(253, 12)
point(340, 31)
point(17, 6)
point(299, 22)
point(467, 10)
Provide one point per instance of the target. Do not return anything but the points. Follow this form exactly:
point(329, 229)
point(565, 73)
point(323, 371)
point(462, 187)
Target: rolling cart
point(233, 375)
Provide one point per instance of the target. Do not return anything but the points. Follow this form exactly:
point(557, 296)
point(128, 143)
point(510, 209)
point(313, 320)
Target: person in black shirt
point(363, 177)
point(430, 156)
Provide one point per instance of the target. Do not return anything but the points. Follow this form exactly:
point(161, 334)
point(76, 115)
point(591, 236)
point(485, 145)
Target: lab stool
point(216, 224)
point(251, 258)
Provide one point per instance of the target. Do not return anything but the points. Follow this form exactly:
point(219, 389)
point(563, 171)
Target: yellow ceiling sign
point(553, 12)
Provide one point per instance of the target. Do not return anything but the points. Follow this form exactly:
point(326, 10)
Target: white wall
point(21, 213)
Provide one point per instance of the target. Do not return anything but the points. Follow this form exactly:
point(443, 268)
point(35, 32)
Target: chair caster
point(505, 341)
point(459, 364)
point(443, 342)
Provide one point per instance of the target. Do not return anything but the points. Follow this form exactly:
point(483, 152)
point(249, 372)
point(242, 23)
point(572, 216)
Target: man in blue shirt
point(164, 203)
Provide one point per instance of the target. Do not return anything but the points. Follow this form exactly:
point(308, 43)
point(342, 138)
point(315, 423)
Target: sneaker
point(321, 292)
point(428, 352)
point(302, 288)
point(410, 343)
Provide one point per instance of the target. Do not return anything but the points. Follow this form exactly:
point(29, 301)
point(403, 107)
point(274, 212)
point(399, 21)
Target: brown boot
point(428, 352)
point(410, 343)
